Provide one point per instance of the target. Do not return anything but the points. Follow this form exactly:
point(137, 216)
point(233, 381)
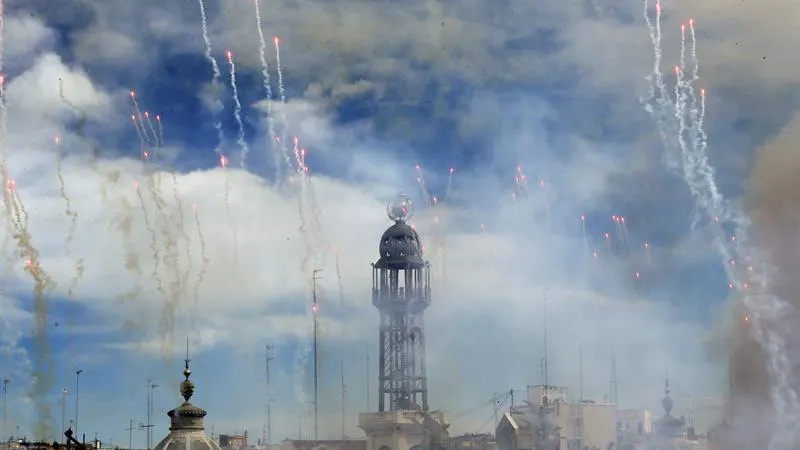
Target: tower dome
point(186, 431)
point(400, 246)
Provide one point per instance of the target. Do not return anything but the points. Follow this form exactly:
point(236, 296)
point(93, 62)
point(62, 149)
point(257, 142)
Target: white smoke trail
point(699, 177)
point(237, 112)
point(262, 49)
point(282, 93)
point(217, 75)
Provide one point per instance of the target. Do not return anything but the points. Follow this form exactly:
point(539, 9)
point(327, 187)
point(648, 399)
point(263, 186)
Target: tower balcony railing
point(399, 417)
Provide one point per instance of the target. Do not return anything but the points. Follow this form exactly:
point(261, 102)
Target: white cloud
point(484, 326)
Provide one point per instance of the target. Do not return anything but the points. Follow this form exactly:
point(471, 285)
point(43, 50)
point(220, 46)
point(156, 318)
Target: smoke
point(773, 204)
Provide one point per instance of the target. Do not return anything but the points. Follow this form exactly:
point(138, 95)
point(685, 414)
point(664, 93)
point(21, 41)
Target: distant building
point(186, 431)
point(229, 441)
point(633, 428)
point(473, 442)
point(548, 421)
point(358, 444)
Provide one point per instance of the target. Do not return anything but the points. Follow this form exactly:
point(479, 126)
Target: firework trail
point(625, 236)
point(216, 75)
point(139, 133)
point(73, 216)
point(178, 218)
point(449, 187)
point(300, 176)
point(282, 93)
point(18, 221)
point(160, 130)
point(123, 222)
point(622, 235)
point(421, 180)
point(316, 214)
point(610, 247)
point(585, 237)
point(156, 274)
point(281, 87)
point(237, 111)
point(267, 82)
point(181, 226)
point(546, 204)
point(698, 174)
point(141, 121)
point(202, 274)
point(162, 221)
point(156, 141)
point(647, 256)
point(524, 191)
point(339, 279)
point(43, 363)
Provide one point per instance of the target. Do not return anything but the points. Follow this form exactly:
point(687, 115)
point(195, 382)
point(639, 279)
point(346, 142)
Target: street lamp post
point(77, 399)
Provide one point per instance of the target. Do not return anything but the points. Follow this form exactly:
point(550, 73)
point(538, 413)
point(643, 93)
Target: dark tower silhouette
point(401, 291)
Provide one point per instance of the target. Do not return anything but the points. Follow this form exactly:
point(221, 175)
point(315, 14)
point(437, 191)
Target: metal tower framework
point(401, 291)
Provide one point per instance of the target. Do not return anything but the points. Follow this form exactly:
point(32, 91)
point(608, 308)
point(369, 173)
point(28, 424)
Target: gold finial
point(187, 387)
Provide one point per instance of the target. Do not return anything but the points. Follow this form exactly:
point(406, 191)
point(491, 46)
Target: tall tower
point(401, 290)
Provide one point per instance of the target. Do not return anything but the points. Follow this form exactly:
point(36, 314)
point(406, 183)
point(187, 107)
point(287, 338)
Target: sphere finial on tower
point(400, 208)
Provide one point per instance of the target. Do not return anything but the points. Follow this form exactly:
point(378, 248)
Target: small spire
point(186, 370)
point(666, 402)
point(187, 387)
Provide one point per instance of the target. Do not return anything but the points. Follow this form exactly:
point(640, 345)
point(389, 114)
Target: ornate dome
point(400, 248)
point(186, 431)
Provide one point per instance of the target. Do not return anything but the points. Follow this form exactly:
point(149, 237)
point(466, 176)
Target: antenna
point(314, 310)
point(580, 368)
point(613, 382)
point(546, 344)
point(150, 387)
point(267, 432)
point(344, 403)
point(5, 408)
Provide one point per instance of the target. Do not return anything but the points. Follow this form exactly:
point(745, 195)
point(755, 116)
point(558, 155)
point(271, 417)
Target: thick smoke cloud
point(773, 204)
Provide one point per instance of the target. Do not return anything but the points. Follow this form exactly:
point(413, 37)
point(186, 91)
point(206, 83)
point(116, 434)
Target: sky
point(126, 236)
